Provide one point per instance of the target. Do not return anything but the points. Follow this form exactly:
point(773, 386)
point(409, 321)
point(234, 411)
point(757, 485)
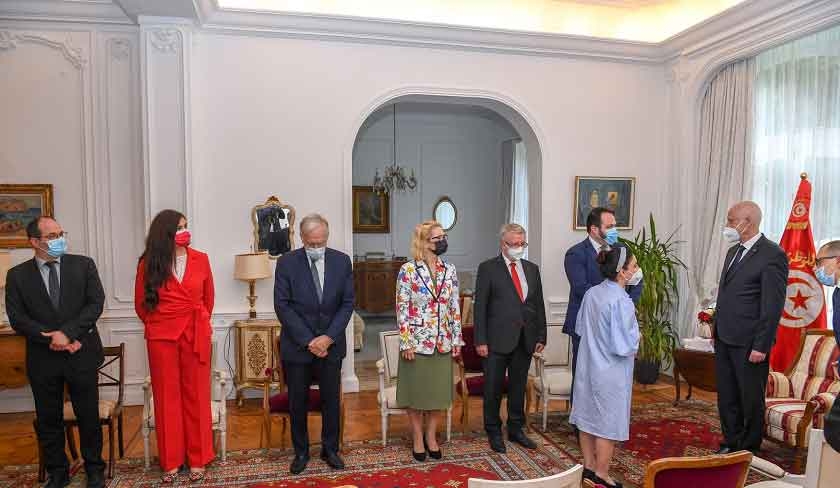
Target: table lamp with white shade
point(5, 264)
point(251, 267)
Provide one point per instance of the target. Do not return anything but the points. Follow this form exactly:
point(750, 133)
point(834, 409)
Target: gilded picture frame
point(19, 204)
point(274, 227)
point(370, 211)
point(614, 193)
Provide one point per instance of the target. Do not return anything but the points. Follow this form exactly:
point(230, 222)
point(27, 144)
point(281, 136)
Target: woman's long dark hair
point(159, 254)
point(608, 261)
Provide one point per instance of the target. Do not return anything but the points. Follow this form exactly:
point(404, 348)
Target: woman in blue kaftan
point(603, 383)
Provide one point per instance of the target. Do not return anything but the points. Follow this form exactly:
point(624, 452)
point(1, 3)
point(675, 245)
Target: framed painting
point(274, 227)
point(19, 204)
point(370, 211)
point(616, 194)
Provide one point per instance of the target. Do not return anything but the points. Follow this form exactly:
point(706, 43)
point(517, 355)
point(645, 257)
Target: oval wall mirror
point(445, 213)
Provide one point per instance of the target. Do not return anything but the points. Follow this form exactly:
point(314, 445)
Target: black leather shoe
point(600, 481)
point(520, 438)
point(332, 459)
point(497, 444)
point(725, 450)
point(58, 479)
point(299, 464)
point(96, 479)
point(432, 454)
point(588, 474)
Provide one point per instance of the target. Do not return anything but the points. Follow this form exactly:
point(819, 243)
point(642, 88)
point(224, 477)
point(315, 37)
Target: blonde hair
point(420, 236)
point(511, 229)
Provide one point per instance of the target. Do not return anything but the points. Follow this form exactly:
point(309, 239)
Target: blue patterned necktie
point(54, 287)
point(316, 279)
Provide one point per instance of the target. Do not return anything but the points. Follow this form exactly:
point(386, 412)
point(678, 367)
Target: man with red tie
point(509, 316)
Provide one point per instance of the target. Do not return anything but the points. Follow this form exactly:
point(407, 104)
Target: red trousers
point(181, 388)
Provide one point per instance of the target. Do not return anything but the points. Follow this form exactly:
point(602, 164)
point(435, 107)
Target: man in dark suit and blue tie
point(751, 297)
point(582, 270)
point(313, 298)
point(54, 300)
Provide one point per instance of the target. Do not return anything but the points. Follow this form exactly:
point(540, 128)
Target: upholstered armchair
point(798, 399)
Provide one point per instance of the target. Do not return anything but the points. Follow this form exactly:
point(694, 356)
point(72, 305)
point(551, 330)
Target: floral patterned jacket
point(428, 313)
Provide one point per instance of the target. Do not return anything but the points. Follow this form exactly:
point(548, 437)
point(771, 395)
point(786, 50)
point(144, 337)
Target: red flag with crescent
point(805, 302)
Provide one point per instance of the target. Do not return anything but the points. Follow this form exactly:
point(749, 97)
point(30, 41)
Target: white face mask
point(315, 253)
point(731, 234)
point(516, 253)
point(636, 278)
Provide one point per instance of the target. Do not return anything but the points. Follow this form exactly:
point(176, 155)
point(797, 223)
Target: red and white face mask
point(182, 238)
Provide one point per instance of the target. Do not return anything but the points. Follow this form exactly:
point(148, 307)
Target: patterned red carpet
point(658, 430)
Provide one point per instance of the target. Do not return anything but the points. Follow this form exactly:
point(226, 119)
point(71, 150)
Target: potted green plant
point(660, 265)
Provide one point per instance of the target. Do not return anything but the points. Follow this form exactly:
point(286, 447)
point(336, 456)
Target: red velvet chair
point(726, 471)
point(277, 405)
point(471, 375)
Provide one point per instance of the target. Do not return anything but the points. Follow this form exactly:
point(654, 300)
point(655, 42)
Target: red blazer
point(184, 307)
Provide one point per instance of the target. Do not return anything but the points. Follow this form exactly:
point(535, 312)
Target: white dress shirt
point(520, 272)
point(597, 245)
point(747, 246)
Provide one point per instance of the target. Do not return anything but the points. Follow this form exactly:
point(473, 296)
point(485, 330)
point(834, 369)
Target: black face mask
point(440, 247)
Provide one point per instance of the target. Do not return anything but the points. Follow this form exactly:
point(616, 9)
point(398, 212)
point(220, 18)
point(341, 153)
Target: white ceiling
point(633, 20)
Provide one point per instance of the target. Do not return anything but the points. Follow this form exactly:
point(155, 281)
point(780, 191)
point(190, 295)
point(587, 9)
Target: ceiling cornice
point(737, 25)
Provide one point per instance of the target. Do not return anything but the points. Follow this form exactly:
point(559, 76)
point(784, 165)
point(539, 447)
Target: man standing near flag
point(751, 296)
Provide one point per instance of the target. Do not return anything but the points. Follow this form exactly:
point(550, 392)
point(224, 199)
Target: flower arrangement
point(706, 317)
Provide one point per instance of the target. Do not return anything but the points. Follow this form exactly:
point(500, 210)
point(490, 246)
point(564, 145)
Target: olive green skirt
point(425, 383)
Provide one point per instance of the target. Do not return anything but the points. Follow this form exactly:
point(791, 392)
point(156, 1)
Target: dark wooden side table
point(697, 368)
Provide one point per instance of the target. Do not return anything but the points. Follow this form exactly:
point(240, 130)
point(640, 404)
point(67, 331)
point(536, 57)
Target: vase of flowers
point(706, 321)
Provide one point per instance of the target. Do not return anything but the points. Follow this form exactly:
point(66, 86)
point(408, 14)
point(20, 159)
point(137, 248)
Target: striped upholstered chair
point(798, 399)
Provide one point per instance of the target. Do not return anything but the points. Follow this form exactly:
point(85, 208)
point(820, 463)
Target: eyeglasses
point(54, 235)
point(441, 237)
point(827, 257)
point(508, 244)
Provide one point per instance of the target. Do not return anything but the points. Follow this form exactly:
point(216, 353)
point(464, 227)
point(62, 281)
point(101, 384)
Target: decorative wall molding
point(119, 48)
point(166, 40)
point(75, 55)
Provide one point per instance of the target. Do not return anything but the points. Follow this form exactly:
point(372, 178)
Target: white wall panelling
point(165, 75)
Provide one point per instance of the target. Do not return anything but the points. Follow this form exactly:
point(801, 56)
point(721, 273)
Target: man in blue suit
point(313, 298)
point(582, 269)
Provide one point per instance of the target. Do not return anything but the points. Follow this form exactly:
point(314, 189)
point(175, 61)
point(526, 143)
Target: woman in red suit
point(173, 296)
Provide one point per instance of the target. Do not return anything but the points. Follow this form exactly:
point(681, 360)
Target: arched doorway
point(373, 141)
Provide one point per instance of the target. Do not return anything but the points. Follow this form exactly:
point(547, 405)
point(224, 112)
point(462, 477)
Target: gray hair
point(312, 220)
point(832, 247)
point(511, 228)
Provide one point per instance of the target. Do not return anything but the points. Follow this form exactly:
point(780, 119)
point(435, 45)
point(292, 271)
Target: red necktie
point(516, 283)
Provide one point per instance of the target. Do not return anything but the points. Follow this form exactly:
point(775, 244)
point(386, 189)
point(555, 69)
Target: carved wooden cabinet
point(13, 365)
point(375, 284)
point(256, 350)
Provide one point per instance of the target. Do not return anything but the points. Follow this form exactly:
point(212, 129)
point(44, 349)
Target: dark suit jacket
point(583, 273)
point(751, 300)
point(31, 311)
point(297, 307)
point(498, 313)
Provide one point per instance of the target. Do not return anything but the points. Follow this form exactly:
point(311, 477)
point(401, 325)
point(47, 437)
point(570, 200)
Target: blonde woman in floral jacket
point(429, 319)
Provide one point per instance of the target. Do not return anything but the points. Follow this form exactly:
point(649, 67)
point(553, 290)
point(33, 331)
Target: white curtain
point(519, 186)
point(797, 128)
point(722, 178)
point(506, 183)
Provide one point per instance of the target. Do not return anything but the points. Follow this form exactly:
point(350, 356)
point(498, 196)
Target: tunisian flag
point(805, 303)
